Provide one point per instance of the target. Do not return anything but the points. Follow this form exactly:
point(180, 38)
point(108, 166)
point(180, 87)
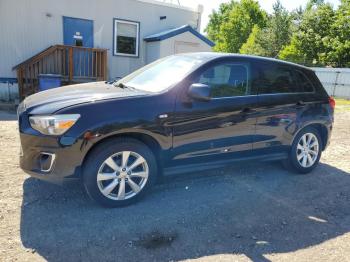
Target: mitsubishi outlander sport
point(186, 112)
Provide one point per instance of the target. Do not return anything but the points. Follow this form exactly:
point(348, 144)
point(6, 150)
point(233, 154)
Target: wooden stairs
point(75, 65)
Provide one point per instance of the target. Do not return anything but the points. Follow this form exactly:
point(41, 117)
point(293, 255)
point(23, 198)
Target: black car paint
point(194, 133)
point(203, 130)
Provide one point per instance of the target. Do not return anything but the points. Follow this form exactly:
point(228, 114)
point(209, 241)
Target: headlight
point(53, 125)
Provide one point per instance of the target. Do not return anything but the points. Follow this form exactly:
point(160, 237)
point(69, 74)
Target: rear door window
point(274, 79)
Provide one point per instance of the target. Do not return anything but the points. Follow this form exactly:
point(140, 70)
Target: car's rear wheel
point(119, 172)
point(305, 151)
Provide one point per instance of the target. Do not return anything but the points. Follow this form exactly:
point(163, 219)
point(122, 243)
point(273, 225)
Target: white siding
point(168, 46)
point(336, 81)
point(28, 27)
point(152, 51)
point(182, 43)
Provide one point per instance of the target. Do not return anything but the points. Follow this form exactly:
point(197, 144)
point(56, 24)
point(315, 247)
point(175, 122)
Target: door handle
point(227, 124)
point(300, 104)
point(246, 110)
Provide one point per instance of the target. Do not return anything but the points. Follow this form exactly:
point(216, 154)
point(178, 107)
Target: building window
point(126, 38)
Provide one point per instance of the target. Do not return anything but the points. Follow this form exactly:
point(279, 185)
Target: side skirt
point(221, 163)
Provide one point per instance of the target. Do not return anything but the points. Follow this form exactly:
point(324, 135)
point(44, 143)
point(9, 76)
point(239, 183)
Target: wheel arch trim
point(144, 137)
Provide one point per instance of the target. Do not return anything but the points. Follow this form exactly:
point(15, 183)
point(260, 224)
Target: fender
point(326, 125)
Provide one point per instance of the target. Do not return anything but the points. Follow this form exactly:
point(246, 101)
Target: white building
point(133, 32)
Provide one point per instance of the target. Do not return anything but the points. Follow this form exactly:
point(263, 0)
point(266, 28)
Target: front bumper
point(64, 163)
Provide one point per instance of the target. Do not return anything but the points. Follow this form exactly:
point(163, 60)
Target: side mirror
point(199, 92)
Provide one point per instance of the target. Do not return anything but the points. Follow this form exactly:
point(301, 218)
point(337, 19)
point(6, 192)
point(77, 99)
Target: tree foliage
point(269, 40)
point(308, 42)
point(338, 43)
point(254, 43)
point(217, 18)
point(232, 25)
point(315, 35)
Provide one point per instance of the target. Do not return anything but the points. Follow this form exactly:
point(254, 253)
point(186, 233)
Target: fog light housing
point(46, 161)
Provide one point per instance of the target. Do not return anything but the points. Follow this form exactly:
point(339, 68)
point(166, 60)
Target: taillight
point(332, 102)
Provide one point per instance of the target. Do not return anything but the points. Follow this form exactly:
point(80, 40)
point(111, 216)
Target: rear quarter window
point(304, 83)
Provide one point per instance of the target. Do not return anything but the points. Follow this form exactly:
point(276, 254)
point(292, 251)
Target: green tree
point(232, 25)
point(253, 45)
point(296, 17)
point(308, 42)
point(314, 35)
point(270, 40)
point(280, 27)
point(338, 43)
point(293, 52)
point(217, 18)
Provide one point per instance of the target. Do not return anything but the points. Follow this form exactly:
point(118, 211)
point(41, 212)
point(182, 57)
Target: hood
point(48, 102)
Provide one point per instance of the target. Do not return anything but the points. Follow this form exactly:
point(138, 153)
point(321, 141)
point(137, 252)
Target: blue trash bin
point(48, 81)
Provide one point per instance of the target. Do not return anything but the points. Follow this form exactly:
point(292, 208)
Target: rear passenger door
point(282, 98)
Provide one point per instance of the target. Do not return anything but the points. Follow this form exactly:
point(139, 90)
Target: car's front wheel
point(305, 152)
point(119, 172)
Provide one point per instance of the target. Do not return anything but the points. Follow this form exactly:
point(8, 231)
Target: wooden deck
point(74, 64)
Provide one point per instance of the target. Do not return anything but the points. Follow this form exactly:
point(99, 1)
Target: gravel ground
point(256, 212)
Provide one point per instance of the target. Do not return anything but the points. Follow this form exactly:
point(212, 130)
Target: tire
point(106, 172)
point(296, 158)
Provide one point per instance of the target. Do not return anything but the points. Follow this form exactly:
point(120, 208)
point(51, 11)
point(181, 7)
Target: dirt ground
point(246, 212)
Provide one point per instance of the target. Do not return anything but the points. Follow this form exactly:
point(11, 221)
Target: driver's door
point(221, 128)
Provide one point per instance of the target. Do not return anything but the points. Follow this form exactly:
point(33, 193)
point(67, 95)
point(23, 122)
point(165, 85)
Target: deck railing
point(74, 64)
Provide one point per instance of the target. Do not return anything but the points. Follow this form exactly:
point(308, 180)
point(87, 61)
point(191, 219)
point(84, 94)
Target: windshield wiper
point(123, 86)
point(113, 81)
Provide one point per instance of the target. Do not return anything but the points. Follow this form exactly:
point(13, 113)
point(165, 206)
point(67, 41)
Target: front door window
point(226, 80)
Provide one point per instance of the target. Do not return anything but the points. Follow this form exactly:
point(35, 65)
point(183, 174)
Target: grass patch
point(342, 104)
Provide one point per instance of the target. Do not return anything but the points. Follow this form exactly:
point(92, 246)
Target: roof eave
point(179, 31)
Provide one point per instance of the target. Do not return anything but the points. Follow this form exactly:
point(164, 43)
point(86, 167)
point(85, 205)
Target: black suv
point(185, 112)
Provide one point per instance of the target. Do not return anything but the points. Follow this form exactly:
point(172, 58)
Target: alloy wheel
point(122, 175)
point(307, 150)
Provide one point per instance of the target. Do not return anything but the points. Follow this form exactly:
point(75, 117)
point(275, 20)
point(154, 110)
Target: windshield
point(161, 74)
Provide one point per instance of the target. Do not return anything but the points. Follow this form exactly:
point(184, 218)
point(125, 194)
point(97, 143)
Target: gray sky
point(209, 5)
